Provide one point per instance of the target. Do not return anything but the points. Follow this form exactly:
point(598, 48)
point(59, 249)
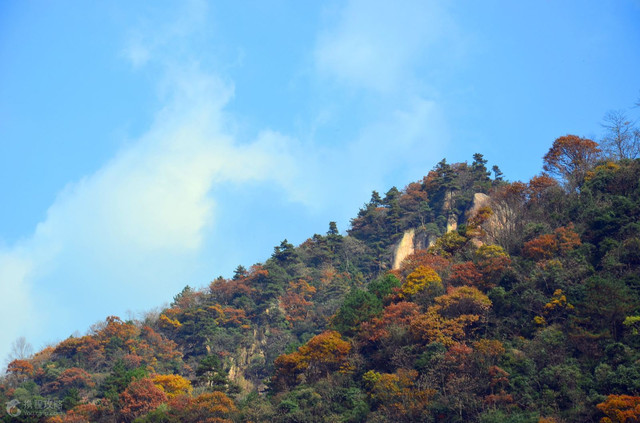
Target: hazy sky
point(145, 146)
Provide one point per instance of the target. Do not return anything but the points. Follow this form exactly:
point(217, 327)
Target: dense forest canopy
point(516, 302)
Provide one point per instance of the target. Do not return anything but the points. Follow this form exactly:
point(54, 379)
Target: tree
point(240, 273)
point(210, 373)
point(140, 397)
point(620, 409)
point(20, 349)
point(358, 306)
point(173, 385)
point(570, 158)
point(498, 175)
point(397, 315)
point(465, 274)
point(333, 229)
point(509, 216)
point(376, 200)
point(20, 368)
point(463, 300)
point(296, 301)
point(383, 286)
point(422, 279)
point(285, 254)
point(399, 396)
point(321, 355)
point(209, 407)
point(622, 140)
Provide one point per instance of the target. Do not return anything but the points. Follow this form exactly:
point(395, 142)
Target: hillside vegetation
point(519, 303)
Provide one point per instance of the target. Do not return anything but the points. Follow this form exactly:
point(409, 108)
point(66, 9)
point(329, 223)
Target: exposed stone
point(404, 249)
point(411, 241)
point(452, 223)
point(480, 200)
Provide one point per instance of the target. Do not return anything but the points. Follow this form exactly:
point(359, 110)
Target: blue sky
point(145, 146)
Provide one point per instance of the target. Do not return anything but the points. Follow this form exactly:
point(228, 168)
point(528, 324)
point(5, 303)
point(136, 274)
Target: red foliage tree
point(541, 248)
point(465, 274)
point(140, 397)
point(539, 186)
point(544, 247)
point(397, 314)
point(571, 157)
point(75, 378)
point(296, 300)
point(426, 259)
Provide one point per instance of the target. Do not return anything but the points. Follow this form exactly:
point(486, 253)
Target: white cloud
point(149, 203)
point(16, 308)
point(137, 53)
point(127, 232)
point(375, 44)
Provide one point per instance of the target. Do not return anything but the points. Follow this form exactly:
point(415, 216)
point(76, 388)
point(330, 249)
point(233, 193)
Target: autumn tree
point(547, 246)
point(539, 187)
point(399, 396)
point(209, 407)
point(385, 331)
point(172, 385)
point(422, 258)
point(140, 397)
point(570, 158)
point(296, 301)
point(465, 274)
point(20, 369)
point(321, 355)
point(620, 409)
point(492, 261)
point(463, 300)
point(423, 279)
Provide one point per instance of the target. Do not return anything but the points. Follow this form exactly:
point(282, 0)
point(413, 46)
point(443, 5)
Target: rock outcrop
point(411, 241)
point(480, 200)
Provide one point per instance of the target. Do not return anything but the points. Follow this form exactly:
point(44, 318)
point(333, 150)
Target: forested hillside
point(518, 302)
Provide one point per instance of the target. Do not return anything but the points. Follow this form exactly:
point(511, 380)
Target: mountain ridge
point(522, 305)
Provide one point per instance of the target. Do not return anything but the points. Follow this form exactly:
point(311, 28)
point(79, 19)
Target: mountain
point(461, 298)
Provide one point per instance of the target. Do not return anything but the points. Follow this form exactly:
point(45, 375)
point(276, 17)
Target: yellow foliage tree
point(422, 278)
point(172, 385)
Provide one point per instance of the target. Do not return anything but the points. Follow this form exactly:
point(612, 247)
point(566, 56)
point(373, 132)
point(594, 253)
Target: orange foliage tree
point(544, 247)
point(210, 407)
point(449, 320)
point(571, 157)
point(397, 314)
point(20, 368)
point(465, 274)
point(140, 397)
point(321, 355)
point(620, 409)
point(296, 300)
point(539, 186)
